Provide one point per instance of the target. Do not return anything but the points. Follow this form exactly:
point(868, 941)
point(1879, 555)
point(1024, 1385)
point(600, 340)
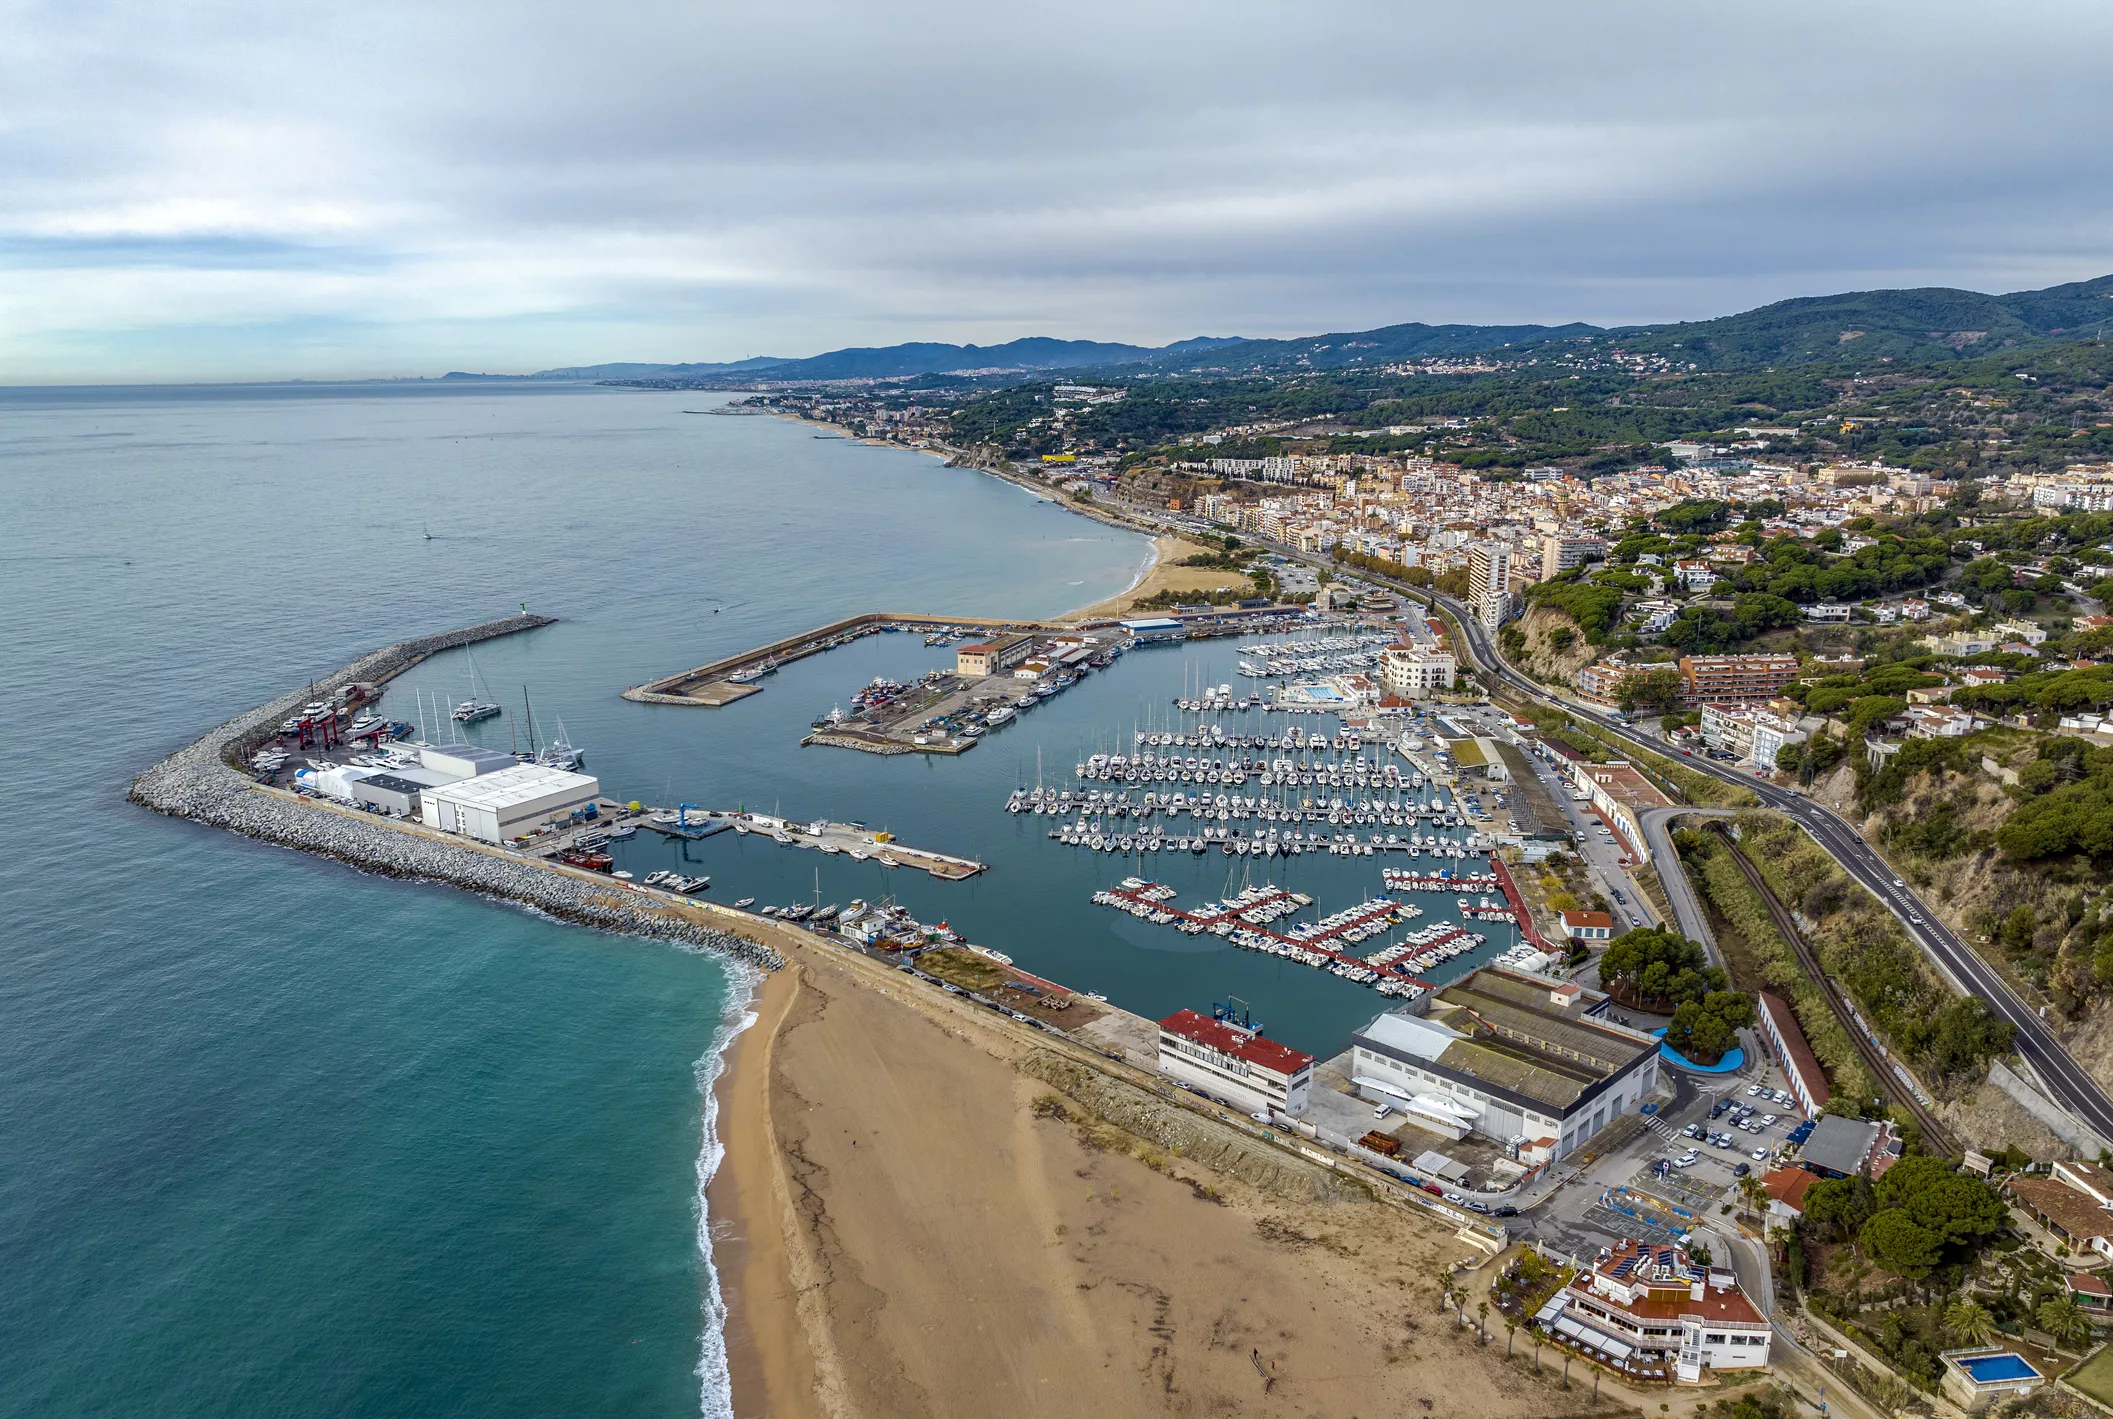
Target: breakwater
point(201, 782)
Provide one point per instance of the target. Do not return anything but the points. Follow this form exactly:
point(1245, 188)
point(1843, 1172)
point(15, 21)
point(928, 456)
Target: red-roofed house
point(1786, 1188)
point(1234, 1064)
point(1588, 926)
point(1650, 1311)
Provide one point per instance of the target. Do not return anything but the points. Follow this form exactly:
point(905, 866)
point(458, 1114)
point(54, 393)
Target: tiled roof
point(1224, 1038)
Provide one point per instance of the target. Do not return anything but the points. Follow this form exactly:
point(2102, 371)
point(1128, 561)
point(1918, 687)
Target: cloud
point(243, 189)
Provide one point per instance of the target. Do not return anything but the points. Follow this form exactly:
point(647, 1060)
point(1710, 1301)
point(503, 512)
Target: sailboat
point(473, 709)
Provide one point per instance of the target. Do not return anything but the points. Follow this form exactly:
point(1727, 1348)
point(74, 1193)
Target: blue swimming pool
point(1994, 1369)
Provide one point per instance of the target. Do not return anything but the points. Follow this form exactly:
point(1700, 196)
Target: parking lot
point(1741, 1132)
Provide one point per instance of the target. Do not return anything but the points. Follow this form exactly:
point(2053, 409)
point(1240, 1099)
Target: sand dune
point(930, 1232)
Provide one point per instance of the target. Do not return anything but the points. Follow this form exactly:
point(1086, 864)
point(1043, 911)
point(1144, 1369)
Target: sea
point(277, 1137)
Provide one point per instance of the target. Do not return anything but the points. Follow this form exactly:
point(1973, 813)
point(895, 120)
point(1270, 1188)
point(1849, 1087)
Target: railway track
point(1936, 1136)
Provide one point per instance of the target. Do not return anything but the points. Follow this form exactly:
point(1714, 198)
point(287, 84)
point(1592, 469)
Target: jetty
point(206, 782)
point(736, 677)
point(860, 844)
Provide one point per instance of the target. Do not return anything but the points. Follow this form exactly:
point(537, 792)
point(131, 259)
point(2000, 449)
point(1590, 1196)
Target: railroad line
point(1935, 1136)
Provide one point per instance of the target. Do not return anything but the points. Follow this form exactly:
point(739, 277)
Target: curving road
point(1687, 911)
point(2071, 1086)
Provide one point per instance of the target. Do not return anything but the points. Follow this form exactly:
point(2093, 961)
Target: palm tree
point(1444, 1277)
point(1970, 1321)
point(2064, 1319)
point(1482, 1319)
point(1754, 1194)
point(1511, 1335)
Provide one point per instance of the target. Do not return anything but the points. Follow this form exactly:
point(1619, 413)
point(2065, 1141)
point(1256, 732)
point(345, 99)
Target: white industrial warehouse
point(498, 807)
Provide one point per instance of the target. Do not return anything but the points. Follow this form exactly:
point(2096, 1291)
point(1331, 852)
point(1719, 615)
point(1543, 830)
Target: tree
point(1658, 690)
point(1951, 1206)
point(1969, 1322)
point(2064, 1319)
point(1892, 1239)
point(1482, 1319)
point(1511, 1334)
point(1841, 1205)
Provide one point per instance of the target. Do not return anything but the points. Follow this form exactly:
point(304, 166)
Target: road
point(2066, 1080)
point(1687, 912)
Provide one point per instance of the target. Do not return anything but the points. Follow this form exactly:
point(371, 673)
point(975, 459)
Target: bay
point(280, 1138)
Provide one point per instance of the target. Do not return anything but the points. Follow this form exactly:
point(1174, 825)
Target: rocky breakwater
point(201, 782)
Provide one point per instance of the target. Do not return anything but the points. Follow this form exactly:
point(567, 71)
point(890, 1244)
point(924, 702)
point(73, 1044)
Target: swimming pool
point(1994, 1369)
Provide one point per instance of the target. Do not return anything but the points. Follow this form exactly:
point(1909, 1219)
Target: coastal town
point(1580, 1075)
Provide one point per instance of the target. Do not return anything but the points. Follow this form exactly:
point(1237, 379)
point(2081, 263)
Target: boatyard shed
point(498, 807)
point(460, 761)
point(388, 793)
point(992, 657)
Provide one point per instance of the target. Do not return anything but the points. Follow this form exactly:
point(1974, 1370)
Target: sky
point(246, 190)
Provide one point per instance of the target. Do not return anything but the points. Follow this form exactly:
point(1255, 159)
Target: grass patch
point(963, 968)
point(2095, 1377)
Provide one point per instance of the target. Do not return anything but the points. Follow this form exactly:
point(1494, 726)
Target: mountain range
point(1918, 326)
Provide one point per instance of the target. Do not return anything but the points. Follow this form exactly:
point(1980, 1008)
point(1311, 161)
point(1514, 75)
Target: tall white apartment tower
point(1489, 581)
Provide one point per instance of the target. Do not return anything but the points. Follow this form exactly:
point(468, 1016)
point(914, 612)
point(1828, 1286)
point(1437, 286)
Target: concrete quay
point(714, 686)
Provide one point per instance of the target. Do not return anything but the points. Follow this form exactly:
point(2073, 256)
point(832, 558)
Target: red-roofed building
point(1786, 1188)
point(1588, 926)
point(1649, 1311)
point(1800, 1065)
point(1234, 1064)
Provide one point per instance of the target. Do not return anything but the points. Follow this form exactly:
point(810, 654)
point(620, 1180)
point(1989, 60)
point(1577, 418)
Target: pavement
point(1687, 909)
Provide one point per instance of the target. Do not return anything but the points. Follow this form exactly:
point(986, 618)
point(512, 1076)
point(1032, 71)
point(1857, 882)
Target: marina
point(1323, 799)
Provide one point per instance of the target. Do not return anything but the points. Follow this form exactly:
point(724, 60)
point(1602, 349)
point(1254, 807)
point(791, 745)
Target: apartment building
point(1653, 1313)
point(1234, 1063)
point(1560, 554)
point(1736, 679)
point(1411, 672)
point(1489, 581)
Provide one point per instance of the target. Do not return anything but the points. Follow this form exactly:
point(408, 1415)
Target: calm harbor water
point(279, 1138)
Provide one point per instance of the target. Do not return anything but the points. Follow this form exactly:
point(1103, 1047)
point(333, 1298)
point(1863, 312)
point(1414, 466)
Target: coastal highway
point(2071, 1086)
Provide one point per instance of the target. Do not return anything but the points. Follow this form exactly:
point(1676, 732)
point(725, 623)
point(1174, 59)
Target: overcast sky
point(253, 190)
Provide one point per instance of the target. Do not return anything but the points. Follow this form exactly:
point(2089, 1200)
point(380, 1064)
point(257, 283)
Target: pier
point(859, 844)
point(736, 677)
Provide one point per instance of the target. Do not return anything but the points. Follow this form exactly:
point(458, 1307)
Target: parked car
point(1742, 1170)
point(1759, 1155)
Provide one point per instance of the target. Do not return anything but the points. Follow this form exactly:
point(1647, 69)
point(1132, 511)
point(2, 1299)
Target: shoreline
point(761, 1345)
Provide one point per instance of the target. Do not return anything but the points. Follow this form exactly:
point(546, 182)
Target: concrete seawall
point(200, 782)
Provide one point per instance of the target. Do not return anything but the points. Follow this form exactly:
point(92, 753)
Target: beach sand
point(925, 1230)
point(1165, 574)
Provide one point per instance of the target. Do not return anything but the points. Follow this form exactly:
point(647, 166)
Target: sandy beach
point(1164, 573)
point(912, 1223)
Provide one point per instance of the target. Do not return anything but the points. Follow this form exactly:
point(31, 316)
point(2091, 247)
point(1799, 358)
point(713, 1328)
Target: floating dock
point(1241, 922)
